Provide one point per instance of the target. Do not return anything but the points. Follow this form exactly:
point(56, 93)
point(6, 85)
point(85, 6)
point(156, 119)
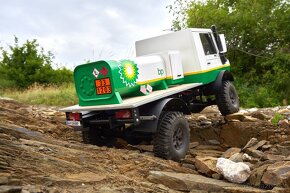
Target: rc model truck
point(146, 98)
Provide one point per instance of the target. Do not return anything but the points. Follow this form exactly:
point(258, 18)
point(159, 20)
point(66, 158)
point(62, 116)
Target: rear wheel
point(227, 98)
point(95, 136)
point(172, 138)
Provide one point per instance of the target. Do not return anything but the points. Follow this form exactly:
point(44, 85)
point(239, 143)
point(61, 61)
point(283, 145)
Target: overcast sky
point(79, 30)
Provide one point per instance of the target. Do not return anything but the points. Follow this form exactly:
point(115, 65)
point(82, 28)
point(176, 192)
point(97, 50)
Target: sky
point(79, 30)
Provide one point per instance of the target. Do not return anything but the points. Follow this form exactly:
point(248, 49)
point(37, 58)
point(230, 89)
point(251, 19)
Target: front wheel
point(172, 138)
point(227, 98)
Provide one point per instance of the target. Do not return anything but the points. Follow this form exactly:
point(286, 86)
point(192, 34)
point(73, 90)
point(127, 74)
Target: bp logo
point(128, 72)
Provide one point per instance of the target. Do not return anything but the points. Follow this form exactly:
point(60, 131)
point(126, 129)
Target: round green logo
point(128, 71)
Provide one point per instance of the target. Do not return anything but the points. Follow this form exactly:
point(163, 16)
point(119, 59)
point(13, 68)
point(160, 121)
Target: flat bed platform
point(133, 102)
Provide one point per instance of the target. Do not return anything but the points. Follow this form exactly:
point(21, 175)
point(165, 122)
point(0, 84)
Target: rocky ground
point(38, 153)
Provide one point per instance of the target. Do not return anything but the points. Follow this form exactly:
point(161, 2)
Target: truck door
point(211, 55)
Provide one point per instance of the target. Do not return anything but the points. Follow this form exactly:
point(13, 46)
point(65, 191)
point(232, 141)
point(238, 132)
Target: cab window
point(207, 43)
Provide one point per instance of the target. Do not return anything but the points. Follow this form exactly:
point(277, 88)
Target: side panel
point(181, 41)
point(205, 76)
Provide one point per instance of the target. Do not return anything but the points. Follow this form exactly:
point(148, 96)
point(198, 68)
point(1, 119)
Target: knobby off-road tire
point(171, 140)
point(227, 99)
point(95, 137)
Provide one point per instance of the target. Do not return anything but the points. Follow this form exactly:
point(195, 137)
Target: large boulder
point(232, 171)
point(237, 134)
point(278, 174)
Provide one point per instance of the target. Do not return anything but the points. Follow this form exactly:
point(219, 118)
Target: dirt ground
point(39, 153)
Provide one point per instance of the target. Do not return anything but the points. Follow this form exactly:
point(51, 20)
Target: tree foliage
point(24, 65)
point(258, 40)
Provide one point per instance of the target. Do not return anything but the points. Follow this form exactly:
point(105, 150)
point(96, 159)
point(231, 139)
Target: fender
point(223, 75)
point(156, 108)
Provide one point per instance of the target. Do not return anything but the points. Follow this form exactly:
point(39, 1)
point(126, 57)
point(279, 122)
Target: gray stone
point(250, 143)
point(214, 142)
point(237, 157)
point(231, 151)
point(278, 174)
point(273, 157)
point(255, 153)
point(197, 183)
point(259, 144)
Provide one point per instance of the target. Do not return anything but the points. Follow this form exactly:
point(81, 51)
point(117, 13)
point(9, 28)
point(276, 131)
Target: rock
point(252, 166)
point(201, 118)
point(197, 183)
point(259, 144)
point(256, 175)
point(260, 116)
point(231, 151)
point(255, 153)
point(246, 157)
point(284, 123)
point(252, 142)
point(285, 143)
point(3, 179)
point(206, 165)
point(237, 157)
point(205, 123)
point(214, 142)
point(238, 134)
point(283, 111)
point(266, 147)
point(232, 171)
point(193, 145)
point(190, 166)
point(282, 150)
point(278, 174)
point(216, 176)
point(274, 157)
point(250, 119)
point(168, 179)
point(251, 110)
point(236, 116)
point(10, 189)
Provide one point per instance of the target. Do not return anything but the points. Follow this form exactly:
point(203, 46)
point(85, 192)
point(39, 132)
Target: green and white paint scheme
point(172, 59)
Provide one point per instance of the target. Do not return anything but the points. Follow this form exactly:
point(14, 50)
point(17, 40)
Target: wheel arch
point(156, 108)
point(215, 86)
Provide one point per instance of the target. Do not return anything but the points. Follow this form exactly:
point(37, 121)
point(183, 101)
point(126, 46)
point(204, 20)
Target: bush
point(24, 65)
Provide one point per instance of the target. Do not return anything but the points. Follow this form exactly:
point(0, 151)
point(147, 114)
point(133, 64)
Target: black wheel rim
point(178, 138)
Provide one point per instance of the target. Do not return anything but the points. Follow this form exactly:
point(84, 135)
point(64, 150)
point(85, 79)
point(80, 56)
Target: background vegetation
point(258, 40)
point(27, 75)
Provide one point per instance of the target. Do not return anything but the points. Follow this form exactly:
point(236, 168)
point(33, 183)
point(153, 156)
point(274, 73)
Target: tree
point(23, 65)
point(258, 38)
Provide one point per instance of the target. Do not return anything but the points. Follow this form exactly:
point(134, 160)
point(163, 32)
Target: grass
point(277, 117)
point(62, 95)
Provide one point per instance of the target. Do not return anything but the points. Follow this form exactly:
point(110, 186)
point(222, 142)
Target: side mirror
point(223, 42)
